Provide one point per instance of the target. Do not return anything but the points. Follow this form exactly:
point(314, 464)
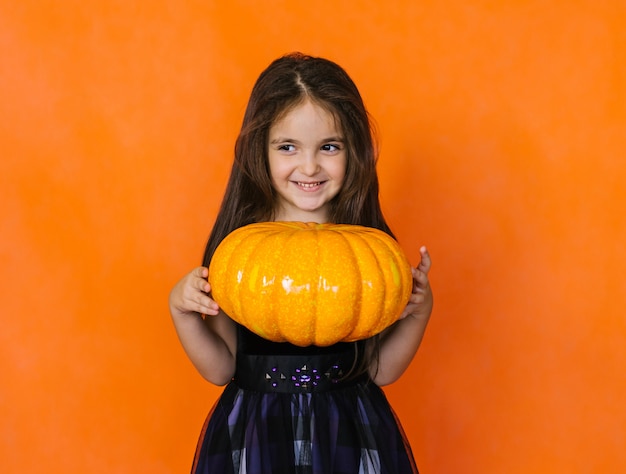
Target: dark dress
point(292, 410)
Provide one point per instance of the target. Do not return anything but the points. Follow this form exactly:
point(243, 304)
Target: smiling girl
point(305, 153)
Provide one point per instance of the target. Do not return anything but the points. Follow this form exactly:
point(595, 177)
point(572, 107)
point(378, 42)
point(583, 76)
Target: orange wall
point(504, 136)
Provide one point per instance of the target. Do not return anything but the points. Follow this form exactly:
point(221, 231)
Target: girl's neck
point(303, 216)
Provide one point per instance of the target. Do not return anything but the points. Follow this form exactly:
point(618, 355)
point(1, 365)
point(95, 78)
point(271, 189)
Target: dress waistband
point(295, 373)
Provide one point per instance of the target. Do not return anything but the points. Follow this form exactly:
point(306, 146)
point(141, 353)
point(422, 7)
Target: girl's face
point(307, 162)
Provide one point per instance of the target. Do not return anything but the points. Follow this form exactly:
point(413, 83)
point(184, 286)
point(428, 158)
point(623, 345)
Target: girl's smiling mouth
point(309, 186)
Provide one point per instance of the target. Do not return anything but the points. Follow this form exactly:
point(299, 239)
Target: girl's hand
point(190, 296)
point(421, 301)
point(211, 342)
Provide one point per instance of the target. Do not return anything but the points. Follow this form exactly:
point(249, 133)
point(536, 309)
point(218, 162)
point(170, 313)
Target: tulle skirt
point(274, 425)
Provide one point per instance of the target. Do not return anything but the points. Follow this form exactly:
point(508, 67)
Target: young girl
point(305, 153)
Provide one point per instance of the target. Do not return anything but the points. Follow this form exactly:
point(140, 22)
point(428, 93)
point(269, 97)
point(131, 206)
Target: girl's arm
point(211, 341)
point(399, 343)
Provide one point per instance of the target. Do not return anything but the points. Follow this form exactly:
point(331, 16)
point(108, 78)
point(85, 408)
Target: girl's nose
point(309, 164)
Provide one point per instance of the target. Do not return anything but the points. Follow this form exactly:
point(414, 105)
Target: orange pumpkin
point(308, 283)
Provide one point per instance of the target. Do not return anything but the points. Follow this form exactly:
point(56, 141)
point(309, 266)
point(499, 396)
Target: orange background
point(503, 130)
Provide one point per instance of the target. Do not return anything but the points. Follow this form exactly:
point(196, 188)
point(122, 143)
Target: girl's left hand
point(421, 301)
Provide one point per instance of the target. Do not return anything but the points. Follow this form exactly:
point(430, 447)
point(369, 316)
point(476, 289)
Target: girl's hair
point(286, 83)
point(250, 196)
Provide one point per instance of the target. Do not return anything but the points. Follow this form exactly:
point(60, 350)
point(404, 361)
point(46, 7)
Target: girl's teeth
point(308, 185)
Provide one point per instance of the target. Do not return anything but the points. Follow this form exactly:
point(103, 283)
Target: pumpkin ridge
point(295, 321)
point(358, 300)
point(264, 323)
point(236, 299)
point(241, 256)
point(336, 302)
point(394, 262)
point(407, 278)
point(366, 321)
point(315, 285)
point(387, 257)
point(381, 248)
point(219, 274)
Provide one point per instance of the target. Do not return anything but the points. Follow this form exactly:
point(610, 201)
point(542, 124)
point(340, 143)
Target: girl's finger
point(425, 261)
point(201, 272)
point(421, 278)
point(203, 285)
point(420, 282)
point(206, 305)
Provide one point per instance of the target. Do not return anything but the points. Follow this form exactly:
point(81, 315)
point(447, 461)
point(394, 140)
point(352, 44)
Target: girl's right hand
point(190, 296)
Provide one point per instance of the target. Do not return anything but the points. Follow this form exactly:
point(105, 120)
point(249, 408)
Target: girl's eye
point(287, 148)
point(330, 147)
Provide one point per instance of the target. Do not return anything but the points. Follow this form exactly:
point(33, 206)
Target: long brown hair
point(284, 84)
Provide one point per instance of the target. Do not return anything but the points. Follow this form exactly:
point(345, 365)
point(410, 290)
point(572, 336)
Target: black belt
point(296, 373)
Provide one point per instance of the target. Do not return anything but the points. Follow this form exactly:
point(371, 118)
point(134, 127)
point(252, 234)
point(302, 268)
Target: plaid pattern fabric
point(347, 430)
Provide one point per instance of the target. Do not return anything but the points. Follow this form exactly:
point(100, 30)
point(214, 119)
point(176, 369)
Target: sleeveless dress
point(293, 410)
